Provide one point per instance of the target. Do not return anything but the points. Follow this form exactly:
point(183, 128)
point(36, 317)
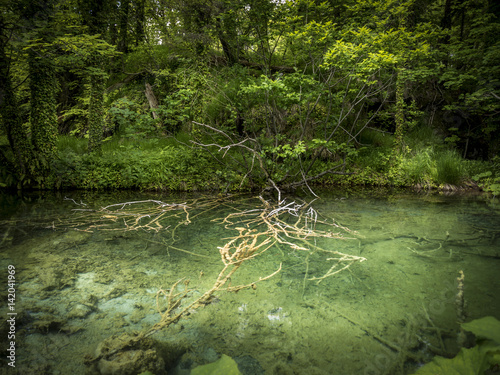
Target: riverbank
point(173, 165)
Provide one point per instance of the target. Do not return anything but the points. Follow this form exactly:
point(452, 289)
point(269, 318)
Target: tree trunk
point(43, 116)
point(9, 110)
point(399, 116)
point(96, 123)
point(139, 22)
point(153, 102)
point(446, 20)
point(124, 16)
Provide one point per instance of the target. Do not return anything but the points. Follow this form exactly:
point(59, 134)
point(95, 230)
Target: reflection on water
point(386, 315)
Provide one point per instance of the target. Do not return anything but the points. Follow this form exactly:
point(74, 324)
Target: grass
point(376, 138)
point(421, 137)
point(66, 144)
point(450, 167)
point(420, 166)
point(428, 160)
point(163, 162)
point(160, 163)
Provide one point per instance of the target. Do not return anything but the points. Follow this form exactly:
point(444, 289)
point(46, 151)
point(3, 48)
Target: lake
point(356, 282)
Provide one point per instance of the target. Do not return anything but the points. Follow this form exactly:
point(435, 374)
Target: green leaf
point(470, 361)
point(487, 327)
point(223, 366)
point(467, 362)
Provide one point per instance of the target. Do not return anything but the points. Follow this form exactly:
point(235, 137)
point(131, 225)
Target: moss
point(96, 112)
point(43, 104)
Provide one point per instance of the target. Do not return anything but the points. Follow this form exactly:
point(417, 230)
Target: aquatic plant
point(476, 360)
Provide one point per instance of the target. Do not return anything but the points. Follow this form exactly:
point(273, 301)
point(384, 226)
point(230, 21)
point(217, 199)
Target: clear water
point(386, 315)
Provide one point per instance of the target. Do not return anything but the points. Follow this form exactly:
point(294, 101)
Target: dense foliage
point(243, 94)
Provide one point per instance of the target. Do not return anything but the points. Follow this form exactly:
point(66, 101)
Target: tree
point(470, 77)
point(124, 13)
point(91, 55)
point(9, 108)
point(43, 118)
point(86, 55)
point(42, 80)
point(140, 21)
point(96, 113)
point(35, 18)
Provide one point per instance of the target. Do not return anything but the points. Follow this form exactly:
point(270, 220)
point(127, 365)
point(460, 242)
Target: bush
point(128, 119)
point(376, 138)
point(67, 144)
point(487, 175)
point(423, 136)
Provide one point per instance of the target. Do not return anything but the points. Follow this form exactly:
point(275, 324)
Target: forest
point(241, 95)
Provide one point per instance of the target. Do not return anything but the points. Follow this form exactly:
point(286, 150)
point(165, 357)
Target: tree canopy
point(287, 89)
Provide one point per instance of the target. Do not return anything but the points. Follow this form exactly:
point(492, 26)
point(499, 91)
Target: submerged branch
point(295, 224)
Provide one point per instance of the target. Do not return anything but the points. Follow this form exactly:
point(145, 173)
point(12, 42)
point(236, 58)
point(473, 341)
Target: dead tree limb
point(153, 102)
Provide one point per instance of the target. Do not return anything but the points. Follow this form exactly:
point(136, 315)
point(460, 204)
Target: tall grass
point(420, 167)
point(450, 167)
point(116, 144)
point(376, 138)
point(421, 137)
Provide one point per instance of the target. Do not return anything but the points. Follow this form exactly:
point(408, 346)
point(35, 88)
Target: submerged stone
point(127, 354)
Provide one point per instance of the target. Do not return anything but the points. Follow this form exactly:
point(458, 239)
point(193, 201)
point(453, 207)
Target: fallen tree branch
point(241, 144)
point(295, 224)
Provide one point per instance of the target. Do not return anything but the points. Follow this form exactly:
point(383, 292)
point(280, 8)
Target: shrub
point(67, 143)
point(487, 175)
point(376, 138)
point(422, 136)
point(127, 118)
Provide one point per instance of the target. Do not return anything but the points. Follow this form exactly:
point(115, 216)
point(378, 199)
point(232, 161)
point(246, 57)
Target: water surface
point(79, 282)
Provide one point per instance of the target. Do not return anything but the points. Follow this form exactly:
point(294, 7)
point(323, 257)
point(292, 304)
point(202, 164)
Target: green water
point(385, 315)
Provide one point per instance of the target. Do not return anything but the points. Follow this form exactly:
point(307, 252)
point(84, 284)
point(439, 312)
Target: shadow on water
point(386, 315)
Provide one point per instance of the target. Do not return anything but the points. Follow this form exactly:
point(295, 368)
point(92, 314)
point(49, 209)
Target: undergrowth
point(167, 163)
point(152, 164)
